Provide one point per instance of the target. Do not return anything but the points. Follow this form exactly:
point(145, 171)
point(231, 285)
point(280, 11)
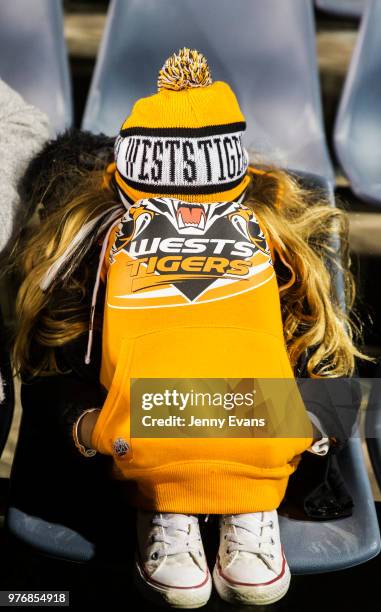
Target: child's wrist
point(82, 431)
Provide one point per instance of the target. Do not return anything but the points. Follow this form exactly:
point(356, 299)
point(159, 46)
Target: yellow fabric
point(233, 332)
point(215, 104)
point(231, 194)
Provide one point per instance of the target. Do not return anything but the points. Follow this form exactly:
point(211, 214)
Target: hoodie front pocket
point(192, 352)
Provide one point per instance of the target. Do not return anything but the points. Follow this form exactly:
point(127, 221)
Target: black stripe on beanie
point(181, 189)
point(180, 132)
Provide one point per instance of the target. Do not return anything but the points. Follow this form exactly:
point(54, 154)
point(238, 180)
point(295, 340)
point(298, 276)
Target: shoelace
point(176, 535)
point(249, 540)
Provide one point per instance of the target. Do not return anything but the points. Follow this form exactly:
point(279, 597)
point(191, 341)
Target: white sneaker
point(251, 567)
point(171, 566)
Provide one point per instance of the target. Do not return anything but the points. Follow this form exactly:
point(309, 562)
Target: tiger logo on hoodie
point(169, 253)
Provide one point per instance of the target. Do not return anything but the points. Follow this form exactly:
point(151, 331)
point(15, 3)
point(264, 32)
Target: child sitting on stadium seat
point(190, 236)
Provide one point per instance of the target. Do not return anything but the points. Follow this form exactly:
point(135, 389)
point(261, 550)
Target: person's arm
point(23, 131)
point(81, 393)
point(63, 397)
point(57, 402)
point(321, 442)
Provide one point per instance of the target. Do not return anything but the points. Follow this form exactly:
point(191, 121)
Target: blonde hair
point(308, 237)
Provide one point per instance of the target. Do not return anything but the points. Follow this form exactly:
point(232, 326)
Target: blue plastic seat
point(346, 8)
point(328, 546)
point(264, 50)
point(33, 57)
point(49, 538)
point(358, 124)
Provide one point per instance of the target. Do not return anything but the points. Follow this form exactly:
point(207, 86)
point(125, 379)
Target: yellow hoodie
point(192, 293)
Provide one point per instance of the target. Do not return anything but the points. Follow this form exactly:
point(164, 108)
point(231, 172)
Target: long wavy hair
point(309, 240)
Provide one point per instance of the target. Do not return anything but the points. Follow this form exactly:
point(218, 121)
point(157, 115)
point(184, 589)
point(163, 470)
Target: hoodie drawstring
point(96, 287)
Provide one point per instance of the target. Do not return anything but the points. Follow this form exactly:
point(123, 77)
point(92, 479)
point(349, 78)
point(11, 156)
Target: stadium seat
point(346, 8)
point(328, 546)
point(33, 57)
point(265, 50)
point(49, 538)
point(358, 126)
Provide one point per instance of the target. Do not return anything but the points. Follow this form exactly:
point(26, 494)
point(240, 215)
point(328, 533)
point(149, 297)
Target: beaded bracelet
point(86, 452)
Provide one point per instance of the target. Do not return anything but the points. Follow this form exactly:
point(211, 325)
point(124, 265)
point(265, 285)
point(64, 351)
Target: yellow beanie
point(184, 141)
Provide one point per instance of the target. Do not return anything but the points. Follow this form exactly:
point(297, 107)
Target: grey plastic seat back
point(346, 8)
point(33, 57)
point(264, 50)
point(48, 538)
point(358, 123)
point(328, 546)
